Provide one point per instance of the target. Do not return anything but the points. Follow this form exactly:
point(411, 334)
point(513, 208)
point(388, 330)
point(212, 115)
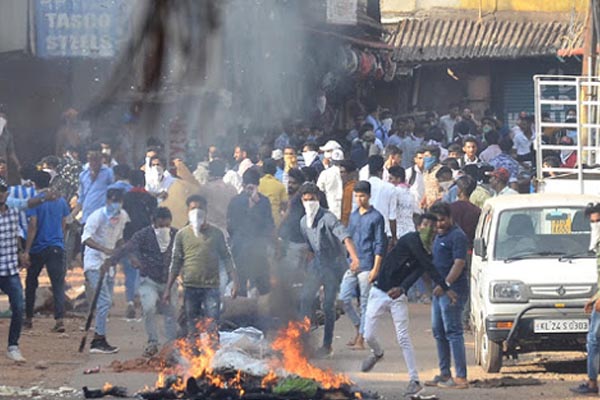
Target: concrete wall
point(397, 6)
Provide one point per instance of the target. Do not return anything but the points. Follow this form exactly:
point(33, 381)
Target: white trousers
point(380, 304)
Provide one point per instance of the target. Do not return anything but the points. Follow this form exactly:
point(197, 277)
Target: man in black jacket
point(150, 252)
point(400, 269)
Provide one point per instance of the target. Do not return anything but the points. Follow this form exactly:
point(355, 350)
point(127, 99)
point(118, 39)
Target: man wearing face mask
point(158, 179)
point(431, 165)
point(592, 211)
point(198, 249)
point(328, 240)
point(330, 183)
point(150, 251)
point(251, 230)
point(400, 269)
point(51, 165)
point(310, 155)
point(101, 234)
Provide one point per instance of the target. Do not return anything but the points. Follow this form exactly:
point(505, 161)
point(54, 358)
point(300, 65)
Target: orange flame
point(197, 359)
point(289, 345)
point(269, 379)
point(160, 382)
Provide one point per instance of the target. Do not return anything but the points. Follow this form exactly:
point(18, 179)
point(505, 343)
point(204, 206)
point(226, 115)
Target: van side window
point(487, 223)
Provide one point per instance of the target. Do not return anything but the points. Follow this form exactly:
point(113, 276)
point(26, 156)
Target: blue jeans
point(150, 296)
point(593, 347)
point(54, 259)
point(446, 323)
point(132, 280)
point(201, 304)
point(11, 285)
point(351, 285)
point(105, 298)
point(329, 277)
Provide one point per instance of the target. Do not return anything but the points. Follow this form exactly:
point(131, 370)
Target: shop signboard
point(79, 28)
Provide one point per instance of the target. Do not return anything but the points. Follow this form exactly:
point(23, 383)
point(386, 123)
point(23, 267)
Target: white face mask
point(197, 217)
point(106, 151)
point(311, 208)
point(309, 157)
point(163, 237)
point(51, 172)
point(154, 176)
point(594, 235)
point(387, 124)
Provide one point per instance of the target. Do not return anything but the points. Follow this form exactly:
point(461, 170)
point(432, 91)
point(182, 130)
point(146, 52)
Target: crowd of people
point(373, 216)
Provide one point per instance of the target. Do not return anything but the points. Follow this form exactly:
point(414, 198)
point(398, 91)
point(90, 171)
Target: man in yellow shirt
point(274, 190)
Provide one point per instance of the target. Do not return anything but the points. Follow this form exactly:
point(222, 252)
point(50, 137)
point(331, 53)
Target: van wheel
point(490, 353)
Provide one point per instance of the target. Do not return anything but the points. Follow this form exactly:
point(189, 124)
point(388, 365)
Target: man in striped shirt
point(24, 191)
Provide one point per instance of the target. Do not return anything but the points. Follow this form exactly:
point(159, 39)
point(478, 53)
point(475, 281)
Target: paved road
point(388, 378)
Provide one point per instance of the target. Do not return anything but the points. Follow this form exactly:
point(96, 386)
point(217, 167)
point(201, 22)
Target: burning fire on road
point(290, 374)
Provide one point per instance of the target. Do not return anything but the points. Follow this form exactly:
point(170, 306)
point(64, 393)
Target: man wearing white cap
point(327, 150)
point(330, 181)
point(277, 156)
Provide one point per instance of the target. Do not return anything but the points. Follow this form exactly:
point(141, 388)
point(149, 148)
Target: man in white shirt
point(158, 179)
point(330, 183)
point(383, 197)
point(241, 156)
point(102, 231)
point(393, 157)
point(448, 121)
point(414, 176)
point(523, 138)
point(406, 205)
point(327, 150)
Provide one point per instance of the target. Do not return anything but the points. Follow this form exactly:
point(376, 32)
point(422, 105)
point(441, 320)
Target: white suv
point(531, 275)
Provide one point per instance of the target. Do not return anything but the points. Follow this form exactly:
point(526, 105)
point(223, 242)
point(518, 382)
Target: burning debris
point(107, 390)
point(233, 373)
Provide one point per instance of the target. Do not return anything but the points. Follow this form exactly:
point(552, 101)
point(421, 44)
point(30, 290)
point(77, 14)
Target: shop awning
point(460, 36)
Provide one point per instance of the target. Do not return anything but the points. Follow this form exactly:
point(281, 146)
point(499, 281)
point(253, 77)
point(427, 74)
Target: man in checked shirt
point(10, 283)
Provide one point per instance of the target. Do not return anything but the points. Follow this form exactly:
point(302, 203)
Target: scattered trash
point(41, 365)
point(506, 381)
point(107, 390)
point(90, 371)
point(424, 397)
point(36, 391)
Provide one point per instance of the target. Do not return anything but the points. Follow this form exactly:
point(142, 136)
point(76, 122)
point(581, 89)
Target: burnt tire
point(490, 352)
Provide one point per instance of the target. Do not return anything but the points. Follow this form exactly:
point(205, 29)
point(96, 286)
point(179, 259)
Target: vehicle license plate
point(560, 325)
